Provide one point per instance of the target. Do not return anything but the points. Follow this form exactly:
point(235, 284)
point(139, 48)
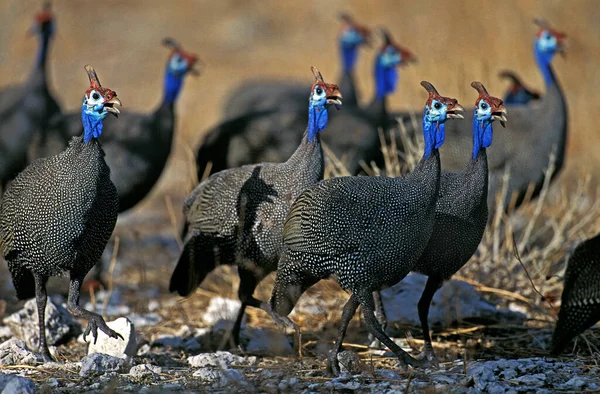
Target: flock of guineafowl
point(265, 206)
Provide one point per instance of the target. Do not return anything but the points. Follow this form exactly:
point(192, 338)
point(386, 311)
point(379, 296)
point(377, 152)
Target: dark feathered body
point(236, 216)
point(58, 215)
point(24, 114)
point(366, 231)
point(460, 219)
point(580, 307)
point(269, 136)
point(137, 148)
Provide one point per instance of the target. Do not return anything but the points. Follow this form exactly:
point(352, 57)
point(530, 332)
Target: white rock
point(455, 301)
point(145, 373)
point(219, 359)
point(5, 332)
point(60, 326)
point(221, 309)
point(124, 348)
point(221, 377)
point(14, 351)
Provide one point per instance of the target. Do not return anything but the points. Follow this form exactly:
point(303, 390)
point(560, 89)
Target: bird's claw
point(428, 356)
point(333, 366)
point(96, 322)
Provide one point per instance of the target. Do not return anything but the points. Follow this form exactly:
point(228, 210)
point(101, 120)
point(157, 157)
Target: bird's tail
point(194, 264)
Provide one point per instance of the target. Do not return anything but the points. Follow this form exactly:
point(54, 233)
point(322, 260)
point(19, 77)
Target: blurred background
point(455, 42)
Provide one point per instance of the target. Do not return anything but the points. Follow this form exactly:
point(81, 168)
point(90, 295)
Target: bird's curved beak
point(499, 113)
point(453, 109)
point(109, 106)
point(335, 97)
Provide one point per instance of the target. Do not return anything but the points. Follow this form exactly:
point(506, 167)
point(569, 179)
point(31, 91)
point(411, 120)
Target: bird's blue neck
point(92, 125)
point(173, 84)
point(544, 61)
point(43, 50)
point(482, 135)
point(433, 134)
point(317, 120)
point(386, 79)
point(349, 55)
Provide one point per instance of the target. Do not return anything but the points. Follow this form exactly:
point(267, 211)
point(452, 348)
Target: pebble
point(14, 352)
point(99, 364)
point(124, 348)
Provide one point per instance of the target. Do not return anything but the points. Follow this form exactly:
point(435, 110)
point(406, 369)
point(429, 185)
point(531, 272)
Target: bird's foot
point(406, 359)
point(96, 322)
point(46, 356)
point(333, 364)
point(429, 356)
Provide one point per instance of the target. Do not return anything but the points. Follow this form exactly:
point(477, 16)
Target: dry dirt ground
point(456, 42)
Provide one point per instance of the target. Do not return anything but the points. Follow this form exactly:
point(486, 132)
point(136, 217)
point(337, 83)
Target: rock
point(443, 379)
point(145, 373)
point(124, 348)
point(60, 326)
point(454, 302)
point(12, 384)
point(221, 377)
point(221, 309)
point(387, 374)
point(14, 352)
point(268, 342)
point(219, 359)
point(574, 383)
point(349, 363)
point(149, 319)
point(5, 332)
point(53, 382)
point(98, 364)
point(532, 380)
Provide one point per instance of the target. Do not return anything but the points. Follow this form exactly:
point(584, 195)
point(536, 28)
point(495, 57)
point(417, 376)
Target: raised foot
point(96, 322)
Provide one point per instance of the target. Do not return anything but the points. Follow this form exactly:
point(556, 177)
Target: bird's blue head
point(437, 110)
point(547, 43)
point(389, 58)
point(179, 64)
point(487, 109)
point(322, 95)
point(97, 103)
point(351, 37)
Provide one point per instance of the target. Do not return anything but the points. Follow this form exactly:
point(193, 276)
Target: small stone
point(60, 326)
point(349, 363)
point(14, 351)
point(443, 379)
point(153, 305)
point(221, 377)
point(221, 309)
point(532, 380)
point(144, 373)
point(387, 374)
point(207, 375)
point(219, 359)
point(53, 382)
point(144, 349)
point(12, 384)
point(99, 364)
point(575, 382)
point(124, 348)
point(5, 332)
point(509, 374)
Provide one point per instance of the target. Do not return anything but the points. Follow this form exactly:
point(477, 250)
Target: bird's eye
point(95, 96)
point(483, 105)
point(319, 91)
point(437, 105)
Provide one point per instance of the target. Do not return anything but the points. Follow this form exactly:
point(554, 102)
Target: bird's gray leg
point(373, 326)
point(349, 309)
point(433, 284)
point(41, 297)
point(379, 314)
point(95, 321)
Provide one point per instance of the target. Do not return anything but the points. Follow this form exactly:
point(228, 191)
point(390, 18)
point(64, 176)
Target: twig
point(173, 219)
point(111, 269)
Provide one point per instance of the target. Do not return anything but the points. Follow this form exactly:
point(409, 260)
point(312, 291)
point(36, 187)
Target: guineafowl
point(517, 92)
point(268, 135)
point(58, 214)
point(264, 95)
point(580, 306)
point(138, 145)
point(367, 232)
point(236, 216)
point(461, 211)
point(525, 145)
point(26, 109)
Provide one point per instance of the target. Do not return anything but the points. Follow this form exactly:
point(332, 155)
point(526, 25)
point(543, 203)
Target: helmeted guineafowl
point(138, 145)
point(267, 135)
point(58, 214)
point(367, 232)
point(461, 211)
point(236, 216)
point(267, 95)
point(26, 109)
point(530, 137)
point(517, 92)
point(580, 306)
